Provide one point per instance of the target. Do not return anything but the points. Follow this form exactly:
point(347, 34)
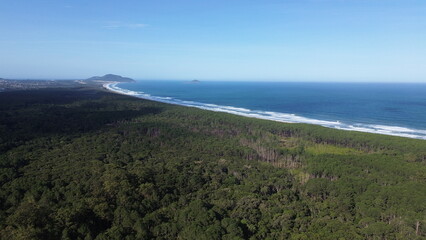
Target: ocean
point(384, 108)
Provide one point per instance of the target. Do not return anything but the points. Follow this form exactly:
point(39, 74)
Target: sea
point(397, 109)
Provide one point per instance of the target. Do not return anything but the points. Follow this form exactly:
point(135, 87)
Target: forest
point(83, 163)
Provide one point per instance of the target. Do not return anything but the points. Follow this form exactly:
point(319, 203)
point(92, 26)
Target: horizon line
point(228, 80)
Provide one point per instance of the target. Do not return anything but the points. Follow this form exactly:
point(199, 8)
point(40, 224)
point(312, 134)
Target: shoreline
point(275, 116)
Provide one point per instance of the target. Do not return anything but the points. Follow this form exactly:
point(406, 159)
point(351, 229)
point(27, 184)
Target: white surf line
point(276, 116)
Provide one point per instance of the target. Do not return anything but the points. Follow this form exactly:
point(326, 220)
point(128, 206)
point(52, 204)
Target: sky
point(259, 40)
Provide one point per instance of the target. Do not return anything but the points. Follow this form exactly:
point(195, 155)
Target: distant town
point(10, 84)
point(15, 84)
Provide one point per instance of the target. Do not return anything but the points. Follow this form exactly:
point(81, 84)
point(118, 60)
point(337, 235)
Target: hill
point(110, 78)
point(88, 164)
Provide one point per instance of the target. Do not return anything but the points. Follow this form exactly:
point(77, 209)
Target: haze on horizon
point(306, 40)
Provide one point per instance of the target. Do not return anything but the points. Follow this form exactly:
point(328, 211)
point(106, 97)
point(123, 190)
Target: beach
point(274, 116)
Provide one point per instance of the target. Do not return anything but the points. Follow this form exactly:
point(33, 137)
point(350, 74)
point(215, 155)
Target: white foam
point(112, 86)
point(276, 116)
point(393, 128)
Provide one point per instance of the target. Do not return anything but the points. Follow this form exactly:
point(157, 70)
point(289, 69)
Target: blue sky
point(270, 40)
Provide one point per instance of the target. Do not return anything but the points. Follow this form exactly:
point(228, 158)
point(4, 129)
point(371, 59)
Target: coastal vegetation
point(82, 163)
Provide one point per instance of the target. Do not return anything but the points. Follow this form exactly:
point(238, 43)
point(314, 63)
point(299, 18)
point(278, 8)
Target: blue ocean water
point(385, 108)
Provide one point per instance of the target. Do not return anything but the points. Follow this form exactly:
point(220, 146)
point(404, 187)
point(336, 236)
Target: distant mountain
point(110, 78)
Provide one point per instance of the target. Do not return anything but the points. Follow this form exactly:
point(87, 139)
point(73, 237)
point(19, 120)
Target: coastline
point(107, 86)
point(275, 116)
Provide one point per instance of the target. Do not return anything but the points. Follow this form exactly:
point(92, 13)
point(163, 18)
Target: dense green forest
point(88, 164)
